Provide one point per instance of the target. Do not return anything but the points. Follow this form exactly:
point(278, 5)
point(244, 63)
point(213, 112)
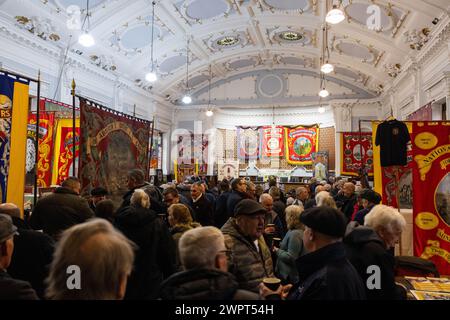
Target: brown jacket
point(248, 265)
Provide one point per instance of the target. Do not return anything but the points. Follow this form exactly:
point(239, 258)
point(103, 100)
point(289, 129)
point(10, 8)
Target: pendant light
point(335, 15)
point(187, 97)
point(86, 39)
point(151, 76)
point(209, 112)
point(326, 66)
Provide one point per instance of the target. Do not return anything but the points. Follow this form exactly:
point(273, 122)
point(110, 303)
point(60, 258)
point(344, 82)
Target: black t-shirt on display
point(392, 137)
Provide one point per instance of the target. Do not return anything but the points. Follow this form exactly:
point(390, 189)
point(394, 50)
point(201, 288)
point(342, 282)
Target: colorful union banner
point(356, 152)
point(301, 142)
point(112, 143)
point(46, 127)
point(63, 156)
point(431, 185)
point(13, 137)
point(273, 141)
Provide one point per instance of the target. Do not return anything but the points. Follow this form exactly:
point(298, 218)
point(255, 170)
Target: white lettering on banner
point(374, 280)
point(74, 280)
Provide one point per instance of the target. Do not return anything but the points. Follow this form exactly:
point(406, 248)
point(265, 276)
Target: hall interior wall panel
point(302, 85)
point(242, 88)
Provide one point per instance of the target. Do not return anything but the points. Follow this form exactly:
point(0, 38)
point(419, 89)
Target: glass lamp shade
point(86, 40)
point(324, 93)
point(151, 77)
point(209, 113)
point(327, 68)
point(187, 99)
point(335, 16)
point(321, 109)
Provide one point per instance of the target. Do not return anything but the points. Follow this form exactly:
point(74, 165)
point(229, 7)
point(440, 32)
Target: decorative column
point(343, 122)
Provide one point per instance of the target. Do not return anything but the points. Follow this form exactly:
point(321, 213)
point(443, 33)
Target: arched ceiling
point(236, 37)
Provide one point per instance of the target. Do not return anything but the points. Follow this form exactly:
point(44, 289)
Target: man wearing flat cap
point(97, 194)
point(325, 273)
point(369, 199)
point(250, 259)
point(11, 289)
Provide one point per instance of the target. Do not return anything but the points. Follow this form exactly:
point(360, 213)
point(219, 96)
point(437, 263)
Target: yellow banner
point(16, 176)
point(434, 250)
point(424, 162)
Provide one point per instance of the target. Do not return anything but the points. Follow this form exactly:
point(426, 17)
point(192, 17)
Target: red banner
point(273, 141)
point(431, 178)
point(300, 143)
point(46, 127)
point(356, 152)
point(112, 143)
point(63, 158)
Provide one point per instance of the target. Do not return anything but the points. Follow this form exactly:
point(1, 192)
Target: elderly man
point(62, 209)
point(33, 251)
point(346, 200)
point(312, 202)
point(302, 196)
point(104, 257)
point(97, 194)
point(10, 288)
point(250, 260)
point(370, 245)
point(203, 209)
point(271, 217)
point(369, 199)
point(205, 275)
point(325, 273)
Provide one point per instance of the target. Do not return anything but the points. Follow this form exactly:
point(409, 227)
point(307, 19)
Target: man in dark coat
point(33, 251)
point(205, 275)
point(203, 210)
point(238, 193)
point(346, 200)
point(155, 256)
point(97, 194)
point(325, 273)
point(365, 248)
point(136, 180)
point(62, 209)
point(10, 288)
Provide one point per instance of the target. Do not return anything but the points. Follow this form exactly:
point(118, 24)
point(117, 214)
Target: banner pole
point(73, 126)
point(36, 142)
point(397, 195)
point(151, 148)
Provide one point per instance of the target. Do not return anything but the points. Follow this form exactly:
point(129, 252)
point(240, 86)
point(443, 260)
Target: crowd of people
point(197, 241)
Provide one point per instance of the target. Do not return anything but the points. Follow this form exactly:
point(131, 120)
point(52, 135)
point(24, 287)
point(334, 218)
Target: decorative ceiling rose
point(291, 36)
point(227, 41)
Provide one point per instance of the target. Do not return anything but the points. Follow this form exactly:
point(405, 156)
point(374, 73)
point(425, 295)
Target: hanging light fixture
point(326, 66)
point(86, 39)
point(324, 93)
point(187, 97)
point(209, 112)
point(151, 76)
point(335, 15)
point(321, 109)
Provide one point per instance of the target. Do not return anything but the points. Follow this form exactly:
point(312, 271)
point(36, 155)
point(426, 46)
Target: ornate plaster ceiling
point(233, 36)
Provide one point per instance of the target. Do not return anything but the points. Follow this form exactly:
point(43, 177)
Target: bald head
point(10, 209)
point(319, 188)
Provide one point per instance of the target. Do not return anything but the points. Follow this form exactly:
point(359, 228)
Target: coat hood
point(199, 284)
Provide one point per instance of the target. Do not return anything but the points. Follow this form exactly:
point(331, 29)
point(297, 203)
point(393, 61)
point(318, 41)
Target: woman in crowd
point(291, 247)
point(180, 221)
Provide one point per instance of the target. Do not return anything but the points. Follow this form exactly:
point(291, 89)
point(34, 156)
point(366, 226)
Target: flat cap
point(248, 207)
point(99, 191)
point(371, 196)
point(7, 228)
point(326, 220)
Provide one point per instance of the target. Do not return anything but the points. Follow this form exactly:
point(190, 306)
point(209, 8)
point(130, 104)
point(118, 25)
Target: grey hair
point(293, 213)
point(265, 196)
point(384, 217)
point(324, 199)
point(103, 255)
point(199, 247)
point(140, 198)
